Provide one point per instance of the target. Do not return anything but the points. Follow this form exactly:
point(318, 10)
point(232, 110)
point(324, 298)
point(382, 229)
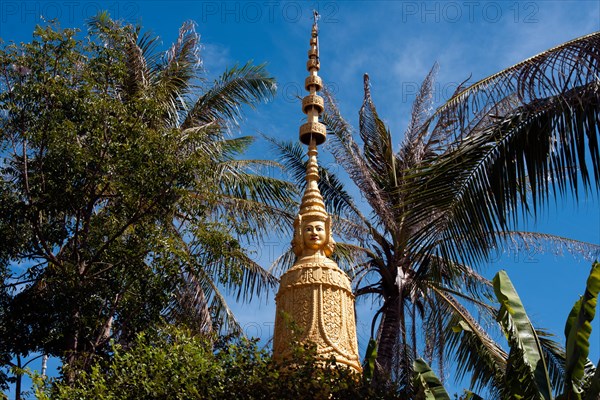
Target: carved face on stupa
point(312, 234)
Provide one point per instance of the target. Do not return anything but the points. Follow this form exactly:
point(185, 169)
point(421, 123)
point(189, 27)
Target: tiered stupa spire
point(312, 105)
point(315, 295)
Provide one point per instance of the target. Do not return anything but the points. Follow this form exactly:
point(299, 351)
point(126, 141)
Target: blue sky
point(396, 42)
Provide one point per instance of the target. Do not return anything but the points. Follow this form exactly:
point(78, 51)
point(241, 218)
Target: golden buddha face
point(314, 235)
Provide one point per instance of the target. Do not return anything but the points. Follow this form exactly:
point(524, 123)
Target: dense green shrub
point(173, 364)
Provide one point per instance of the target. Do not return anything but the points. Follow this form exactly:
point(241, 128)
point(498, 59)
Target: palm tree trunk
point(388, 338)
point(403, 365)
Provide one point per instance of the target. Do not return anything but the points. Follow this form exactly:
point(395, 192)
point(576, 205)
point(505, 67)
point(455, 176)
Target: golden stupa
point(315, 295)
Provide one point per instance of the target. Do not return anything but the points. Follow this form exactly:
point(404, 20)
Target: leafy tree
point(443, 199)
point(122, 200)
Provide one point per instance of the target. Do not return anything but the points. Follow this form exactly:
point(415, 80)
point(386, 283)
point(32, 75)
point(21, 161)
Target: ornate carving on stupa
point(315, 295)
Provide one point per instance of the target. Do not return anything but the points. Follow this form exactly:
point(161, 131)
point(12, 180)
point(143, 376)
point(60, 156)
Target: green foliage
point(173, 364)
point(468, 395)
point(578, 330)
point(527, 375)
point(370, 359)
point(166, 366)
point(428, 384)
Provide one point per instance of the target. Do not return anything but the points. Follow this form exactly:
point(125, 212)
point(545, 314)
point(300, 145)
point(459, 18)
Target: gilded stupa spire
point(313, 104)
point(313, 132)
point(315, 294)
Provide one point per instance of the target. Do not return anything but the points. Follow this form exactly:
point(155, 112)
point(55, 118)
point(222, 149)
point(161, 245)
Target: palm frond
point(377, 142)
point(238, 86)
point(349, 257)
point(253, 219)
point(254, 280)
point(137, 68)
point(198, 301)
point(216, 261)
point(222, 314)
point(475, 189)
point(552, 72)
point(414, 146)
point(283, 262)
point(451, 275)
point(233, 268)
point(402, 372)
point(189, 305)
point(231, 147)
point(102, 25)
point(533, 126)
point(249, 186)
point(349, 155)
point(173, 76)
point(350, 229)
point(535, 243)
point(554, 354)
point(473, 349)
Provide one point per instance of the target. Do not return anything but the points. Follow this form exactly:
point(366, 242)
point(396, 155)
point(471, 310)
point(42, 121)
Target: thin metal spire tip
point(316, 17)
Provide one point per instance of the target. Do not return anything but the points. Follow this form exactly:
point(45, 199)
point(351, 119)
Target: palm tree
point(414, 297)
point(151, 208)
point(417, 249)
point(245, 205)
point(518, 137)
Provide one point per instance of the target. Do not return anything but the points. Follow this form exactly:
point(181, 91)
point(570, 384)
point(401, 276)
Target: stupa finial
point(313, 104)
